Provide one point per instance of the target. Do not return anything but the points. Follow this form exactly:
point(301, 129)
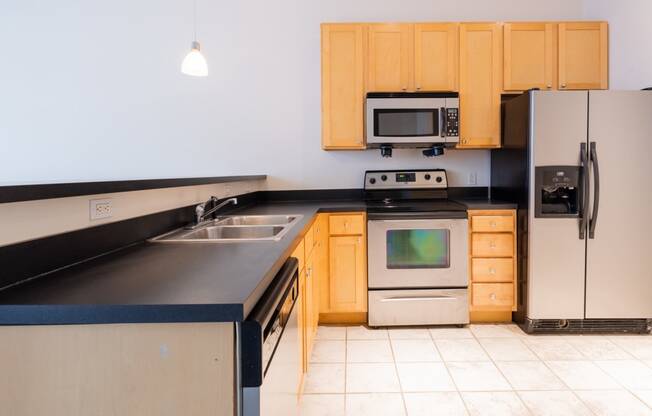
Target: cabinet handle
point(492, 270)
point(492, 296)
point(563, 85)
point(404, 88)
point(492, 224)
point(548, 86)
point(492, 244)
point(418, 88)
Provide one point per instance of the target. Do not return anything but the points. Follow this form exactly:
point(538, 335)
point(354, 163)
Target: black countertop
point(163, 282)
point(171, 282)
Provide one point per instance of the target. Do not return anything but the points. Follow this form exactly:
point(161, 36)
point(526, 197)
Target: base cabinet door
point(348, 277)
point(583, 56)
point(480, 84)
point(343, 89)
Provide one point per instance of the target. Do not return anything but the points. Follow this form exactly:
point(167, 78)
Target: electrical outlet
point(100, 208)
point(473, 178)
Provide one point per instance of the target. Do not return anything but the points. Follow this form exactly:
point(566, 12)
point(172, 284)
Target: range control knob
point(372, 181)
point(427, 176)
point(438, 179)
point(383, 178)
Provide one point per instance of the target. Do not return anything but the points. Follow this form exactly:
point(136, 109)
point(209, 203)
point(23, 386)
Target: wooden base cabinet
point(344, 287)
point(492, 264)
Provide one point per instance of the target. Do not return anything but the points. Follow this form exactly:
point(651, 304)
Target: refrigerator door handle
point(596, 188)
point(583, 191)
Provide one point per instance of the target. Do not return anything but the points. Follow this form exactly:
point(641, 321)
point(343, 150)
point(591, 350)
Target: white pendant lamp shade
point(194, 63)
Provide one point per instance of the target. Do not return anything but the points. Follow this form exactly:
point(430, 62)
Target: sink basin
point(257, 220)
point(233, 229)
point(219, 232)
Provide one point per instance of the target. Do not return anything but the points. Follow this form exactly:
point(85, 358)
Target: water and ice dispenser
point(558, 192)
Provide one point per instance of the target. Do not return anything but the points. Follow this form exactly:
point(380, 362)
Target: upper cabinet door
point(481, 82)
point(390, 58)
point(583, 56)
point(342, 87)
point(529, 56)
point(436, 52)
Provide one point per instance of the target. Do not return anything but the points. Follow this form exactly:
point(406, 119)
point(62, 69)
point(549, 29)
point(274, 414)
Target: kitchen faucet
point(201, 213)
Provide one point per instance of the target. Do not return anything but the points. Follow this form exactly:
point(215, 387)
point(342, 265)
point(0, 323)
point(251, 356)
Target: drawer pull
point(492, 244)
point(417, 298)
point(492, 270)
point(493, 224)
point(492, 296)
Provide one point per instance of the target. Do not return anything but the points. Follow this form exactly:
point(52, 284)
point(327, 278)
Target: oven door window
point(418, 249)
point(406, 122)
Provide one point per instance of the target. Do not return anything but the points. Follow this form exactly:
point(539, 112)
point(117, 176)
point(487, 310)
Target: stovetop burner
point(417, 192)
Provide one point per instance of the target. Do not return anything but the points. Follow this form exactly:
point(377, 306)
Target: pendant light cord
point(194, 20)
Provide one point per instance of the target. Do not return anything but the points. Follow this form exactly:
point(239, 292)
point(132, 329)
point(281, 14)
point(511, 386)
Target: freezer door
point(619, 261)
point(556, 252)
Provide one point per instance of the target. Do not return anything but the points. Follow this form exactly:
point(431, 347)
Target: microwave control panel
point(452, 122)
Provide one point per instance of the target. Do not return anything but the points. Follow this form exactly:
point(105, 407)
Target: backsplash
point(28, 220)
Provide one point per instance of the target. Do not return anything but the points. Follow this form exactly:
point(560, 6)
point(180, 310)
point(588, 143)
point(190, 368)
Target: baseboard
point(343, 318)
point(490, 316)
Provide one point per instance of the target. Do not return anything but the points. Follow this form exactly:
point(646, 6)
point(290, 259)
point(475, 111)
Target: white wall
point(91, 90)
point(630, 35)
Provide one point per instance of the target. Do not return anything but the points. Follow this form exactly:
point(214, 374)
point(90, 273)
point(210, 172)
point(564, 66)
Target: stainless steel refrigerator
point(579, 164)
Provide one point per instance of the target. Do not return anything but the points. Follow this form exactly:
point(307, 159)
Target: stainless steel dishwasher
point(270, 349)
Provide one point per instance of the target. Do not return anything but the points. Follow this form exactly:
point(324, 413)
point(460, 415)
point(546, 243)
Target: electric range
point(417, 249)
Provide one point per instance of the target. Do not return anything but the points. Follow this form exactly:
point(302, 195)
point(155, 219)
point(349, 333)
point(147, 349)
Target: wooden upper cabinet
point(583, 55)
point(529, 51)
point(481, 79)
point(343, 86)
point(390, 57)
point(436, 53)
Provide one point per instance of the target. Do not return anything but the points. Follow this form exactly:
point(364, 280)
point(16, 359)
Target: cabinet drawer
point(492, 223)
point(346, 224)
point(492, 270)
point(492, 245)
point(493, 295)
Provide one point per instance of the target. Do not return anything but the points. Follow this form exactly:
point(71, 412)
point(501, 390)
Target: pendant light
point(194, 63)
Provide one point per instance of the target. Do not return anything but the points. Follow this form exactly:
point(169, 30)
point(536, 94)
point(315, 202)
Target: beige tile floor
point(479, 370)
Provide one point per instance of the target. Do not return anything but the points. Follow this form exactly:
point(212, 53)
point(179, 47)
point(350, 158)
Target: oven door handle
point(417, 298)
point(396, 217)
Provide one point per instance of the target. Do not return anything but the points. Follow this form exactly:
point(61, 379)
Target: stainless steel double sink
point(233, 229)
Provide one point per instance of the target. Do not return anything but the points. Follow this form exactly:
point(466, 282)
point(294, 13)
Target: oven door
point(405, 120)
point(417, 253)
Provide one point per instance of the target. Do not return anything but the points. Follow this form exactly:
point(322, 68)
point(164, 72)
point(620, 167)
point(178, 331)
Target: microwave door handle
point(442, 122)
point(583, 190)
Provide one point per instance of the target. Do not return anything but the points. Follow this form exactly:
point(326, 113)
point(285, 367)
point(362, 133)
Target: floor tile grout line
point(457, 389)
point(518, 396)
point(398, 377)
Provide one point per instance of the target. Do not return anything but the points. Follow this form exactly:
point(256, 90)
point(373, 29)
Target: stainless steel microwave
point(407, 119)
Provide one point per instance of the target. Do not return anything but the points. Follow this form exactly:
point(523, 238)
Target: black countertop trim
point(118, 314)
point(17, 193)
